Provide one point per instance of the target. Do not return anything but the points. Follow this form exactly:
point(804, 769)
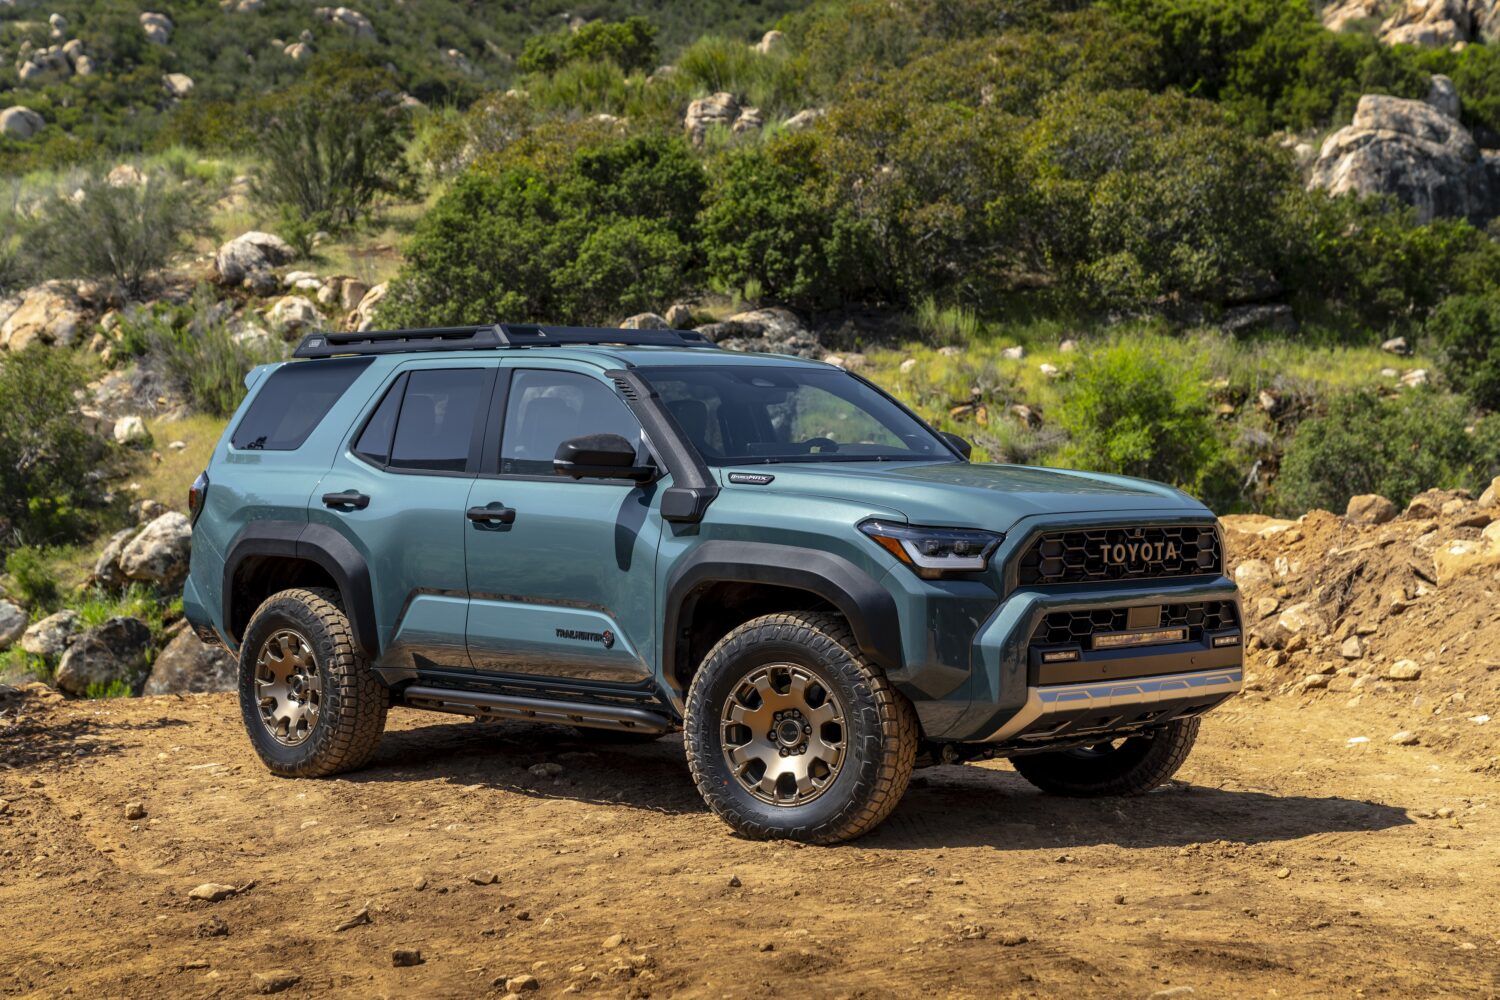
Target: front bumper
point(1066, 712)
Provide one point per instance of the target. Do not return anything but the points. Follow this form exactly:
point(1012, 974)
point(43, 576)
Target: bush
point(1365, 444)
point(32, 578)
point(629, 44)
point(194, 351)
point(1141, 408)
point(1466, 331)
point(123, 234)
point(48, 457)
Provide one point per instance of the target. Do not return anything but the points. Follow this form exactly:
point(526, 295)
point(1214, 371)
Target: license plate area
point(1138, 637)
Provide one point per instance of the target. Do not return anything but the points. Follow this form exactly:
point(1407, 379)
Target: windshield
point(754, 415)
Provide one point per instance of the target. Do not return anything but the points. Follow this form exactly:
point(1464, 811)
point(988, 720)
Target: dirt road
point(1287, 862)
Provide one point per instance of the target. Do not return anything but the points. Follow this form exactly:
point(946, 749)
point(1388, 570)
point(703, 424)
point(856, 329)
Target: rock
point(1015, 353)
point(1463, 556)
point(275, 980)
point(679, 316)
point(1369, 508)
point(1414, 378)
point(803, 119)
point(178, 85)
point(524, 983)
point(1443, 95)
point(213, 927)
point(406, 957)
point(352, 292)
point(363, 317)
point(1049, 370)
point(135, 810)
point(1412, 151)
point(157, 27)
point(1405, 738)
point(252, 251)
point(294, 313)
point(748, 120)
point(131, 430)
point(1396, 345)
point(51, 636)
point(771, 41)
point(123, 175)
point(1252, 574)
point(613, 941)
point(12, 624)
point(1442, 23)
point(188, 665)
point(720, 109)
point(1402, 670)
point(20, 122)
point(146, 511)
point(1353, 648)
point(350, 20)
point(212, 892)
point(908, 366)
point(107, 567)
point(547, 769)
point(1491, 495)
point(1275, 317)
point(1301, 619)
point(105, 655)
point(645, 321)
point(774, 331)
point(484, 878)
point(1427, 504)
point(1266, 607)
point(298, 51)
point(1315, 681)
point(159, 554)
point(47, 313)
point(361, 917)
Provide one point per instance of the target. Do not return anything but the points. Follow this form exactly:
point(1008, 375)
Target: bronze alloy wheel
point(288, 687)
point(783, 734)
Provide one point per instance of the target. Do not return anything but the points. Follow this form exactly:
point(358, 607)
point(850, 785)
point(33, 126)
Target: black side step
point(510, 706)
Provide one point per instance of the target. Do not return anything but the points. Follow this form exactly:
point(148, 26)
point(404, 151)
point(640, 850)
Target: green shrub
point(629, 44)
point(1141, 408)
point(32, 578)
point(1365, 444)
point(48, 457)
point(124, 234)
point(626, 266)
point(1466, 331)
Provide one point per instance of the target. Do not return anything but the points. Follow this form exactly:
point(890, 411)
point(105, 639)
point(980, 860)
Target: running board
point(508, 706)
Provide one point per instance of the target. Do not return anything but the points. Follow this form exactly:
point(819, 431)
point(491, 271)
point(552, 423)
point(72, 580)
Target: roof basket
point(492, 337)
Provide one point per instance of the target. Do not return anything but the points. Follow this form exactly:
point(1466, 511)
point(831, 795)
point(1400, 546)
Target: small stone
point(1312, 681)
point(613, 941)
point(1283, 873)
point(1012, 940)
point(1353, 648)
point(212, 892)
point(358, 920)
point(1402, 670)
point(1174, 991)
point(545, 770)
point(212, 927)
point(767, 946)
point(522, 984)
point(1355, 741)
point(276, 980)
point(403, 958)
point(1120, 900)
point(1446, 812)
point(135, 810)
point(420, 883)
point(734, 882)
point(1405, 738)
point(484, 878)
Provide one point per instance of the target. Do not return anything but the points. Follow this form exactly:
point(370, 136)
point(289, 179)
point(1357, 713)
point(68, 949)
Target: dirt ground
point(1286, 862)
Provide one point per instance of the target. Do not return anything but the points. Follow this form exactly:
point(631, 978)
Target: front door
point(398, 492)
point(562, 588)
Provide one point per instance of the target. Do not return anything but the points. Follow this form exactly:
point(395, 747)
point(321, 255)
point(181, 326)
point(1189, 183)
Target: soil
point(1285, 862)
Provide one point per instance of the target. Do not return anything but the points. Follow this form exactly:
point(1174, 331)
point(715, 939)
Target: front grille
point(1100, 555)
point(1060, 628)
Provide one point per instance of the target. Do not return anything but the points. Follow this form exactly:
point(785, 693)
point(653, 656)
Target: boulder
point(772, 331)
point(124, 175)
point(298, 52)
point(679, 316)
point(1463, 556)
point(771, 41)
point(350, 20)
point(352, 292)
point(294, 313)
point(802, 119)
point(107, 570)
point(645, 321)
point(1491, 496)
point(706, 112)
point(178, 85)
point(188, 665)
point(1369, 508)
point(363, 316)
point(20, 122)
point(749, 120)
point(44, 64)
point(1412, 151)
point(1253, 574)
point(252, 251)
point(157, 27)
point(1396, 345)
point(47, 313)
point(104, 655)
point(1443, 95)
point(159, 554)
point(1442, 22)
point(131, 429)
point(50, 637)
point(12, 624)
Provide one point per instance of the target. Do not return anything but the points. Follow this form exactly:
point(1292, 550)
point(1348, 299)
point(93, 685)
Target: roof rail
point(491, 337)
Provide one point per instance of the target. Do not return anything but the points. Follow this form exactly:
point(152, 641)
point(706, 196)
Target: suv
point(632, 531)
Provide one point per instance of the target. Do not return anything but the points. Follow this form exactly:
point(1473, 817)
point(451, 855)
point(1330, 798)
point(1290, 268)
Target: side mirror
point(600, 456)
point(964, 448)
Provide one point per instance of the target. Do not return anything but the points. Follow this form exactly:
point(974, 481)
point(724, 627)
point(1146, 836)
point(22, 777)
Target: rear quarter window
point(293, 401)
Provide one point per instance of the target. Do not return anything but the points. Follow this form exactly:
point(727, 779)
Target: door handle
point(494, 513)
point(347, 500)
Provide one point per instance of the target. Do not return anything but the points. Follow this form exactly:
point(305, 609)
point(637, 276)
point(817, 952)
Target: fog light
point(1227, 640)
point(1059, 656)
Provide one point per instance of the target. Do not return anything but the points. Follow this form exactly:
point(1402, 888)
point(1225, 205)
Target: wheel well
point(258, 577)
point(714, 610)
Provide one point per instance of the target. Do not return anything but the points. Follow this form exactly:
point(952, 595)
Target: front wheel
point(791, 733)
point(1130, 766)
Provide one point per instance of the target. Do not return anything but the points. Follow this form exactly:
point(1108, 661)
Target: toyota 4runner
point(632, 531)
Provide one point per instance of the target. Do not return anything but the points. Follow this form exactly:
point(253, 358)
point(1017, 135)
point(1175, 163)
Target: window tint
point(547, 408)
point(437, 424)
point(374, 444)
point(293, 400)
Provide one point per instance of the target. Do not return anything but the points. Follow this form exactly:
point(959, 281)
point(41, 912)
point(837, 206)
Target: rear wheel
point(791, 733)
point(310, 703)
point(1130, 766)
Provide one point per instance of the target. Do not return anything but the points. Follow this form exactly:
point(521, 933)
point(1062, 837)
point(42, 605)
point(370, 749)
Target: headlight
point(933, 553)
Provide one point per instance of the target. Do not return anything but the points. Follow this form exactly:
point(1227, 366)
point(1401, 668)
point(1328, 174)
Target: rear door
point(397, 490)
point(564, 589)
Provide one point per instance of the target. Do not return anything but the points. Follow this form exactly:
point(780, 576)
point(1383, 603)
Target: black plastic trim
point(693, 487)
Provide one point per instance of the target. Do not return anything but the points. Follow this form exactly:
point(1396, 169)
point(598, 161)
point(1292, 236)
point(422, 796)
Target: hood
point(964, 495)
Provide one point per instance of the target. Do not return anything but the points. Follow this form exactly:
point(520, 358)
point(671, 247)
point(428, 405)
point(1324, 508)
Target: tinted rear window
point(293, 400)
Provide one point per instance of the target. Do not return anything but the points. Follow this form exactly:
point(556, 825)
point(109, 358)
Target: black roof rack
point(491, 337)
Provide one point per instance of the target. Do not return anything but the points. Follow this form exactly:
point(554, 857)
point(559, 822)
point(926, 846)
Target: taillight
point(196, 495)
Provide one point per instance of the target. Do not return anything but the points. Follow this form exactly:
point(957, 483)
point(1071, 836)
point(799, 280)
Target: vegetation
point(1465, 329)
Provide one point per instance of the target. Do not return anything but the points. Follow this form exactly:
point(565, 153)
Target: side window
point(546, 408)
point(374, 444)
point(428, 421)
point(293, 401)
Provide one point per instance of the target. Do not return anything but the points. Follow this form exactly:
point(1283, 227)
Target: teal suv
point(633, 532)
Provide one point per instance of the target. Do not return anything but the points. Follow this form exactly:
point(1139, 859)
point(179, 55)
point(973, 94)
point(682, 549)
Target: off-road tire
point(880, 740)
point(353, 702)
point(1136, 766)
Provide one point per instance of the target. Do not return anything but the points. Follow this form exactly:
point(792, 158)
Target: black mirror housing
point(600, 456)
point(964, 447)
